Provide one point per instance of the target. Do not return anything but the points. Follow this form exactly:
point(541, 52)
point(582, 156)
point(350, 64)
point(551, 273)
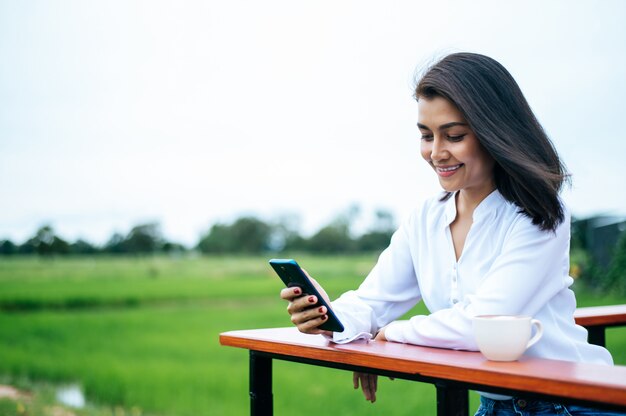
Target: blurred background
point(153, 155)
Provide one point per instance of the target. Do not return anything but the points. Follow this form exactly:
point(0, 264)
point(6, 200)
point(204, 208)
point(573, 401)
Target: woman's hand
point(369, 382)
point(304, 314)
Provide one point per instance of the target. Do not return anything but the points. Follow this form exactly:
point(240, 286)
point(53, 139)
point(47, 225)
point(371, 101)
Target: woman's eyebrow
point(452, 124)
point(443, 126)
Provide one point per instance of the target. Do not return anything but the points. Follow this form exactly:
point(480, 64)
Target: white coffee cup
point(505, 337)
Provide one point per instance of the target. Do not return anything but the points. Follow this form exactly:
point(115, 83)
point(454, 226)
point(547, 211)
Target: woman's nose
point(438, 150)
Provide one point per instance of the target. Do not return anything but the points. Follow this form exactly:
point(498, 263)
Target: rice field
point(140, 336)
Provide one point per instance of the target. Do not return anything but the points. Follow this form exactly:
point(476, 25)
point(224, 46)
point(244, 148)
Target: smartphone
point(292, 275)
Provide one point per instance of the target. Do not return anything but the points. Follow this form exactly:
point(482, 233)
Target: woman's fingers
point(311, 326)
point(304, 314)
point(373, 385)
point(301, 304)
point(303, 310)
point(369, 384)
point(290, 293)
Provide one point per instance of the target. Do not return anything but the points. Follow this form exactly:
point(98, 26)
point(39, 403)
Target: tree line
point(245, 235)
point(598, 250)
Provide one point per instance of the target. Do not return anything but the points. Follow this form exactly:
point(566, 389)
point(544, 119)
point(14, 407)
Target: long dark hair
point(528, 171)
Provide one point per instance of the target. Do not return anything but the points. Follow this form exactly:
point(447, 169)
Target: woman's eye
point(456, 138)
point(427, 137)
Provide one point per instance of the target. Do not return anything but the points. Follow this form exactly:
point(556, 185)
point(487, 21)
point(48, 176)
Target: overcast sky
point(114, 113)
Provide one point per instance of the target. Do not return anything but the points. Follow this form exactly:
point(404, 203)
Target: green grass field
point(140, 335)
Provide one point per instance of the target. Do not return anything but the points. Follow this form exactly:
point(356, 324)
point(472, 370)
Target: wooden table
point(597, 318)
point(452, 372)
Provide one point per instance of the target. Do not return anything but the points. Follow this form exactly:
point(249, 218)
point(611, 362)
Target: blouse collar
point(487, 208)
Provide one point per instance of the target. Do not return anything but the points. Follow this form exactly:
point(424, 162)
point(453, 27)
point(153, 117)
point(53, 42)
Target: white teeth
point(448, 169)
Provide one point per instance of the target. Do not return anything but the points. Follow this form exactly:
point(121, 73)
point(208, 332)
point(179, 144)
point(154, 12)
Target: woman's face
point(452, 149)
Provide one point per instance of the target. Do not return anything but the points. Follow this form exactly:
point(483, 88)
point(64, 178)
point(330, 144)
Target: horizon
point(604, 220)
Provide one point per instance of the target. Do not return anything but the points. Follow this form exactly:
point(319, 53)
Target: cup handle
point(538, 334)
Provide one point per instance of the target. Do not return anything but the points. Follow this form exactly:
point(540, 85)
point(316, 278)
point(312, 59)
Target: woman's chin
point(448, 187)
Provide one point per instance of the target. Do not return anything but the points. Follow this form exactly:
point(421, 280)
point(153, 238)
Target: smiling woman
point(496, 242)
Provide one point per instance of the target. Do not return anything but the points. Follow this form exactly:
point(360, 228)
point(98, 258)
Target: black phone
point(292, 275)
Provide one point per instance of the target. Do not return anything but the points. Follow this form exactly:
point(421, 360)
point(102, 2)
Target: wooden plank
point(606, 384)
point(613, 315)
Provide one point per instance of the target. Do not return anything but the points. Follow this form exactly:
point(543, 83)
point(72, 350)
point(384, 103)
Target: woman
point(495, 242)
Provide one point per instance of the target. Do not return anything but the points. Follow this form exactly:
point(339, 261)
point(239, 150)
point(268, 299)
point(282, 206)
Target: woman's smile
point(447, 171)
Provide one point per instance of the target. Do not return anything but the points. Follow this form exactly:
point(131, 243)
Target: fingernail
point(311, 299)
point(296, 291)
point(324, 317)
point(321, 310)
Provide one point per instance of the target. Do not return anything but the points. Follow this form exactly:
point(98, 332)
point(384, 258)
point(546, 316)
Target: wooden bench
point(452, 372)
point(597, 318)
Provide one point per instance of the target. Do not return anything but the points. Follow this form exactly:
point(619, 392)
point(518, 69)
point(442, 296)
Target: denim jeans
point(523, 407)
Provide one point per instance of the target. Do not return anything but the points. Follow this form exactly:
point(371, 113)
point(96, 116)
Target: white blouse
point(508, 266)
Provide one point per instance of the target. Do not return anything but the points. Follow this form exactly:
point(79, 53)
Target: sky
point(189, 113)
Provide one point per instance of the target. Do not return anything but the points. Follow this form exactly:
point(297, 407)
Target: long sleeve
point(529, 270)
point(388, 292)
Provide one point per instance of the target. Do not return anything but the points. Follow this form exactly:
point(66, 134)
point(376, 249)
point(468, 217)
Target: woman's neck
point(467, 201)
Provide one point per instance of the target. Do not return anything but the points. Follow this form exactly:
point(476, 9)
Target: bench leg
point(261, 400)
point(451, 401)
point(596, 335)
